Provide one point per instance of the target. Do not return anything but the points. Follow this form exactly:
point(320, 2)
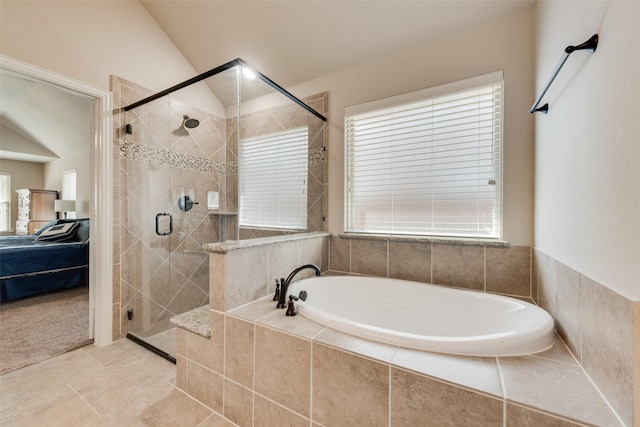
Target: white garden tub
point(426, 317)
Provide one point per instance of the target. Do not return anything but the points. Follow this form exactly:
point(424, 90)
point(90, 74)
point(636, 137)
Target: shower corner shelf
point(213, 212)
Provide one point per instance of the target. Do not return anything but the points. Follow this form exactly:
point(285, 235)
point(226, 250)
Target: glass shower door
point(164, 270)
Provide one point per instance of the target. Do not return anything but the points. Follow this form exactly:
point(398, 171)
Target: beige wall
point(587, 151)
point(88, 41)
point(23, 175)
point(506, 45)
point(81, 162)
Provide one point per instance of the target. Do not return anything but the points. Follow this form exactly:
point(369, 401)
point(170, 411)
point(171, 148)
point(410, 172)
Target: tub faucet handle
point(276, 296)
point(291, 310)
point(281, 294)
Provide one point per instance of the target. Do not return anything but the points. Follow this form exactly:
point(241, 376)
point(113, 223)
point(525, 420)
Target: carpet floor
point(41, 327)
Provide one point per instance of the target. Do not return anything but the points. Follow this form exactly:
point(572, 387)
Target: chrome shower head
point(188, 123)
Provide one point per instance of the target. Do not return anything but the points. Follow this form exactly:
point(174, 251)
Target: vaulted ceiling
point(297, 41)
point(290, 41)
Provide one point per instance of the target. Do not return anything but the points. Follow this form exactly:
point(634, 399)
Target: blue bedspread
point(30, 267)
point(21, 255)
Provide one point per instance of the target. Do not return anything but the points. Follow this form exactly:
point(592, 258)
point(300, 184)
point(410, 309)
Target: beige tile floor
point(117, 385)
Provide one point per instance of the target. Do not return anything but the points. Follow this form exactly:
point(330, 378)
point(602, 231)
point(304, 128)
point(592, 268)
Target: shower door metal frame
point(217, 70)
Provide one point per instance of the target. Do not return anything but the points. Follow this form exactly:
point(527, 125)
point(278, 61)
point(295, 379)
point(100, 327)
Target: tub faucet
point(284, 283)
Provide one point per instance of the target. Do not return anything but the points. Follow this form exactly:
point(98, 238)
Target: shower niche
point(227, 155)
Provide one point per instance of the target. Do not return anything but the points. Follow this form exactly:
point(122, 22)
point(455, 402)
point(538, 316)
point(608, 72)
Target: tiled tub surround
point(244, 271)
point(482, 266)
point(600, 327)
point(258, 367)
point(261, 368)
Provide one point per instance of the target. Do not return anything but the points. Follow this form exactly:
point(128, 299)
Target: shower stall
point(226, 155)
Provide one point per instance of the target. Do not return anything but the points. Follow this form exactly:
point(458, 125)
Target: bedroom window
point(5, 202)
point(273, 185)
point(69, 188)
point(427, 162)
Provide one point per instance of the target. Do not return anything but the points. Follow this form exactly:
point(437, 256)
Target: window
point(69, 189)
point(273, 180)
point(5, 202)
point(428, 162)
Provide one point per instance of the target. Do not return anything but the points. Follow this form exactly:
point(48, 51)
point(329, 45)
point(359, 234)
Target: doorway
point(100, 203)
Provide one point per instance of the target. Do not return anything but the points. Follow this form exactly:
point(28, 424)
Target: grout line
point(548, 414)
point(501, 378)
point(389, 395)
point(484, 266)
point(312, 345)
point(504, 392)
point(253, 376)
point(88, 404)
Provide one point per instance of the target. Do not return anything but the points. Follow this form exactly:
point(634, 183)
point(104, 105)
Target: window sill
point(425, 239)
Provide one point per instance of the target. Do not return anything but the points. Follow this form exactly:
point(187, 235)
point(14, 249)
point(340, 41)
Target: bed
point(55, 258)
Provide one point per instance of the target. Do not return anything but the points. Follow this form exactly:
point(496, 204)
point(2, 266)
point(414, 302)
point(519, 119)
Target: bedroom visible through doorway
point(92, 164)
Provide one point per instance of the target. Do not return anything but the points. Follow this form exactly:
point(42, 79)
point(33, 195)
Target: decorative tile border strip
point(145, 153)
point(317, 156)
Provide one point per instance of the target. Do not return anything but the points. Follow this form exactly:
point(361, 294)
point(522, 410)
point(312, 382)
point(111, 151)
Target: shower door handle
point(164, 232)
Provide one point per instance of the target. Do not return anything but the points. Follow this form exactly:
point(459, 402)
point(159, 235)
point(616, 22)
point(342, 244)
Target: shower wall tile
point(239, 345)
point(369, 257)
point(568, 308)
point(337, 378)
point(508, 270)
point(415, 399)
point(115, 326)
point(458, 265)
point(608, 356)
point(157, 156)
point(115, 291)
point(287, 383)
point(410, 261)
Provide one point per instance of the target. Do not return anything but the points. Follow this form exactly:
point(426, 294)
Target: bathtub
point(426, 317)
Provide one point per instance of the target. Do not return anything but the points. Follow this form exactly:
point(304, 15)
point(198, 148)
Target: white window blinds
point(273, 180)
point(5, 202)
point(69, 179)
point(428, 162)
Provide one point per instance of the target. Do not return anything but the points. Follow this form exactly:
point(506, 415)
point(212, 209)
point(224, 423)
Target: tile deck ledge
point(196, 321)
point(230, 245)
point(551, 382)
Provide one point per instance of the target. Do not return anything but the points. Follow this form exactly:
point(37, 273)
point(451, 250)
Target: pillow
point(82, 234)
point(59, 232)
point(44, 227)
